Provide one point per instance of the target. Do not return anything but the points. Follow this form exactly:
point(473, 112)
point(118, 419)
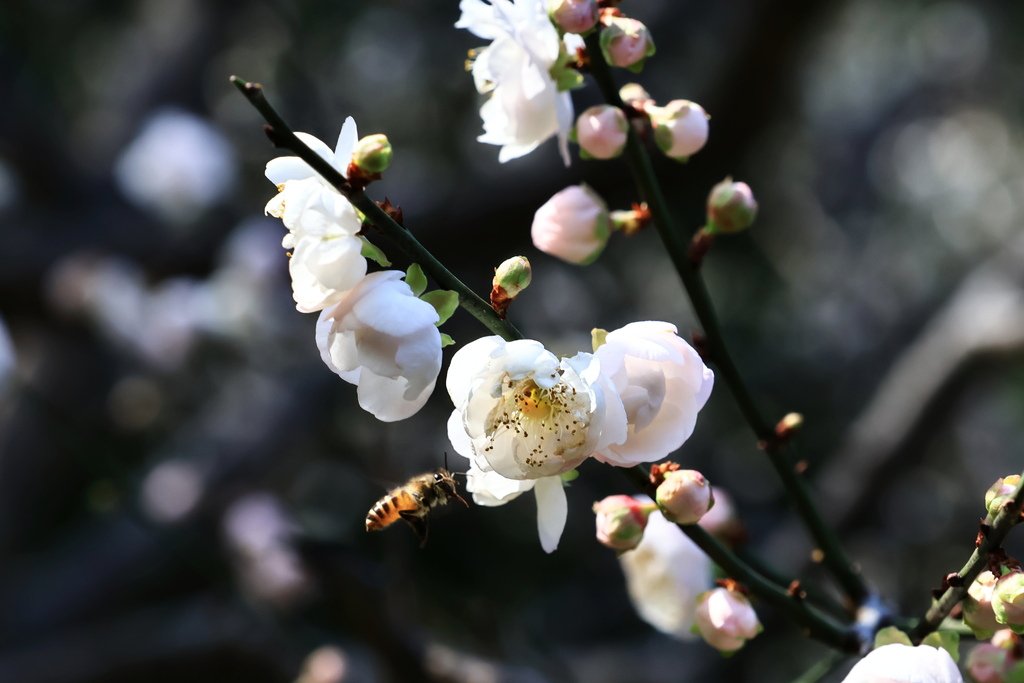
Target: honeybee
point(412, 501)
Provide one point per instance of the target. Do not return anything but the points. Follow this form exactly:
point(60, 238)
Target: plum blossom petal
point(525, 106)
point(663, 384)
point(552, 511)
point(394, 362)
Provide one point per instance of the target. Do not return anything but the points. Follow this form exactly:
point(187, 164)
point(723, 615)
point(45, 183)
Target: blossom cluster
point(374, 331)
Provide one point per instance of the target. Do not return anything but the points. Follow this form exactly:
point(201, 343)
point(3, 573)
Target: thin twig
point(993, 530)
point(834, 557)
point(282, 136)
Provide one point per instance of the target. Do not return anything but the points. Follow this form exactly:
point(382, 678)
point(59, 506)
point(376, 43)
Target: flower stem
point(817, 624)
point(282, 136)
point(834, 557)
point(993, 530)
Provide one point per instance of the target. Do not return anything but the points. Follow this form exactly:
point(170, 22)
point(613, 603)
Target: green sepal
point(416, 280)
point(374, 253)
point(444, 301)
point(446, 340)
point(946, 640)
point(890, 635)
point(571, 475)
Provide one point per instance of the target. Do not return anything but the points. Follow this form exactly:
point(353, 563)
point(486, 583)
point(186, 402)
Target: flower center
point(544, 429)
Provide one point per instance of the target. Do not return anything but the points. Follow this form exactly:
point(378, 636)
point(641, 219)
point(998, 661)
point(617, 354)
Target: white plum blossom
point(524, 417)
point(898, 663)
point(283, 170)
point(525, 106)
point(322, 224)
point(664, 576)
point(527, 414)
point(663, 384)
point(383, 339)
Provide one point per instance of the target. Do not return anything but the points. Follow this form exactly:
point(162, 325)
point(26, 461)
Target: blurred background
point(183, 483)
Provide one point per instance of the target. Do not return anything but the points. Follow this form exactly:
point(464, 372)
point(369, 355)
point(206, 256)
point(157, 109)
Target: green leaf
point(890, 635)
point(947, 640)
point(446, 340)
point(416, 280)
point(444, 302)
point(373, 252)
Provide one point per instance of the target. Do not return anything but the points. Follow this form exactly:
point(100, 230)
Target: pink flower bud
point(680, 128)
point(1008, 600)
point(601, 132)
point(621, 521)
point(978, 614)
point(726, 620)
point(731, 207)
point(634, 95)
point(1000, 493)
point(573, 225)
point(684, 496)
point(573, 16)
point(988, 663)
point(626, 43)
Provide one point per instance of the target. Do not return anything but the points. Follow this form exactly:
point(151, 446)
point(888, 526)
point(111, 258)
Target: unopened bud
point(977, 606)
point(621, 521)
point(601, 132)
point(731, 207)
point(1000, 493)
point(725, 619)
point(680, 128)
point(372, 153)
point(510, 278)
point(1008, 601)
point(573, 225)
point(684, 496)
point(573, 16)
point(626, 43)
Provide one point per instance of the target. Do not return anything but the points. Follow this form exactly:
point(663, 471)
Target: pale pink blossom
point(726, 620)
point(684, 496)
point(574, 16)
point(626, 43)
point(573, 225)
point(663, 384)
point(602, 131)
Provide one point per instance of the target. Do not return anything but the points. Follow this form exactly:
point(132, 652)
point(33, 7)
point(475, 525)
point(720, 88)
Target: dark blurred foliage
point(183, 483)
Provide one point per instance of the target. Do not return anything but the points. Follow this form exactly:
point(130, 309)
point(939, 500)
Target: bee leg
point(418, 524)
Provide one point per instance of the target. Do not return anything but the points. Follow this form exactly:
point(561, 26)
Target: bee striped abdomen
point(386, 511)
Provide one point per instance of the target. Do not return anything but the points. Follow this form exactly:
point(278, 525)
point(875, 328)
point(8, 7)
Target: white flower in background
point(663, 384)
point(8, 361)
point(523, 417)
point(525, 106)
point(384, 340)
point(177, 166)
point(898, 663)
point(664, 576)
